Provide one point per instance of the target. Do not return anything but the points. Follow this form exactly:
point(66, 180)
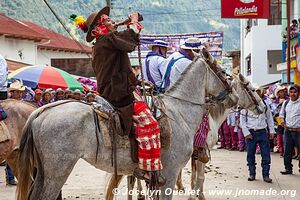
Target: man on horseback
point(116, 83)
point(154, 62)
point(178, 61)
point(10, 178)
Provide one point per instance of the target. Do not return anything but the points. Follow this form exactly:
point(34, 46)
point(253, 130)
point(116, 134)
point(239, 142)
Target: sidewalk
point(226, 174)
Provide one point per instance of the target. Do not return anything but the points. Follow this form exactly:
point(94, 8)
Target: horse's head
point(217, 86)
point(248, 98)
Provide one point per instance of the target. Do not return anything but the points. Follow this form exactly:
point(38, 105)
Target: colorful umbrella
point(45, 77)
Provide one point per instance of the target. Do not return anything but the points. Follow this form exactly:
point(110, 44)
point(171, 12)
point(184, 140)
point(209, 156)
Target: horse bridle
point(245, 86)
point(228, 89)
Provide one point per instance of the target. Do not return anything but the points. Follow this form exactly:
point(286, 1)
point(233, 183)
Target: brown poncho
point(115, 80)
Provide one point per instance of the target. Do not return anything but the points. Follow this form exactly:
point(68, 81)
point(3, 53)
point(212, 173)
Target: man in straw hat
point(289, 115)
point(116, 83)
point(178, 61)
point(154, 61)
point(16, 90)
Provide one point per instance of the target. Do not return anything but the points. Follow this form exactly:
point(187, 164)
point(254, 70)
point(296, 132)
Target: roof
point(11, 28)
point(58, 41)
point(14, 65)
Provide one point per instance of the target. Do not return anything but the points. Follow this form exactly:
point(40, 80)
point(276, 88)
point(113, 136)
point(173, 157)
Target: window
point(248, 65)
point(275, 18)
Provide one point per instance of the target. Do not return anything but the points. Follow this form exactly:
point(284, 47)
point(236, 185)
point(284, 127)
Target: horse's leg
point(179, 181)
point(112, 184)
point(140, 188)
point(130, 185)
point(193, 178)
point(171, 175)
point(50, 178)
point(200, 179)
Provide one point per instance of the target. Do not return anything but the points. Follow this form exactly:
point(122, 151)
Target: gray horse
point(217, 114)
point(246, 98)
point(55, 139)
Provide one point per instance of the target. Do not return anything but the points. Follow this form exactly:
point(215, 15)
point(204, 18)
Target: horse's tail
point(28, 159)
point(113, 183)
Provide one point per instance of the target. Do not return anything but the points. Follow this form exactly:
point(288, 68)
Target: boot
point(144, 175)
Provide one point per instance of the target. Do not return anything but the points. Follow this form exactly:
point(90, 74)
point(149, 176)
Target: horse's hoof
point(141, 198)
point(201, 197)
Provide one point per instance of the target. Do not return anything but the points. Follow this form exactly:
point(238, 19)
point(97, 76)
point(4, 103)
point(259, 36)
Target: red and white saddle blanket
point(147, 133)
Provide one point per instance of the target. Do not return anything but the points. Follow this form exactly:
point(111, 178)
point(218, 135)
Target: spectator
point(16, 90)
point(59, 94)
point(231, 121)
point(77, 95)
point(225, 137)
point(90, 97)
point(46, 97)
point(37, 100)
point(68, 94)
point(254, 128)
point(279, 132)
point(289, 115)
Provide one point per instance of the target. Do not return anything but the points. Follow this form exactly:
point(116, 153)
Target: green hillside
point(160, 16)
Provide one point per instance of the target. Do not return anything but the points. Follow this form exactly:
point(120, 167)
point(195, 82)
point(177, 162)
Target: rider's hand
point(134, 17)
point(150, 84)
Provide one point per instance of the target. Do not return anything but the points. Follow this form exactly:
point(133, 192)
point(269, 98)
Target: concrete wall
point(9, 48)
point(256, 43)
point(44, 56)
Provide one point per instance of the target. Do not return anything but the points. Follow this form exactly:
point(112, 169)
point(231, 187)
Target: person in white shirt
point(154, 61)
point(290, 120)
point(178, 61)
point(255, 129)
point(3, 78)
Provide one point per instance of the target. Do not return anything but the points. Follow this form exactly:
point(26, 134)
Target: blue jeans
point(261, 138)
point(9, 174)
point(290, 139)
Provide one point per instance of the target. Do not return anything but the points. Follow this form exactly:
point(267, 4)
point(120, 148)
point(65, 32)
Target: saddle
point(108, 115)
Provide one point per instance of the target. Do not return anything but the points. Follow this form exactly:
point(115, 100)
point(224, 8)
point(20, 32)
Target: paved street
point(227, 172)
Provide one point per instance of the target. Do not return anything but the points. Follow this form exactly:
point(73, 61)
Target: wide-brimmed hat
point(38, 91)
point(47, 91)
point(91, 21)
point(59, 90)
point(279, 88)
point(77, 91)
point(294, 86)
point(90, 94)
point(191, 44)
point(259, 88)
point(16, 86)
point(159, 43)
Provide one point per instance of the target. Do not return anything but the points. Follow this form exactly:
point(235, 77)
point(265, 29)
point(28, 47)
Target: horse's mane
point(181, 78)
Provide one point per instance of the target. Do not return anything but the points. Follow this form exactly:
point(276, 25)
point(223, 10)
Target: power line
point(64, 26)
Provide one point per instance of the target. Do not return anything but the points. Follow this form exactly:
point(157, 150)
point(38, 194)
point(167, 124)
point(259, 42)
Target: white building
point(261, 47)
point(30, 44)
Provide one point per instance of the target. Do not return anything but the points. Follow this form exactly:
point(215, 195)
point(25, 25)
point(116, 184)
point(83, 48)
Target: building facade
point(261, 47)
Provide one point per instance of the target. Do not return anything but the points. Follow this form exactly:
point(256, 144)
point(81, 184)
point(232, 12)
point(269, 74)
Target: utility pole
point(288, 41)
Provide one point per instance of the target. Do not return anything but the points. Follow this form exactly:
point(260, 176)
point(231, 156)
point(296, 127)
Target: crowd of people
point(277, 130)
point(39, 97)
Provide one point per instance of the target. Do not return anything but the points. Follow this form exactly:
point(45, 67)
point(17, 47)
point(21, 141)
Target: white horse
point(217, 114)
point(246, 93)
point(55, 139)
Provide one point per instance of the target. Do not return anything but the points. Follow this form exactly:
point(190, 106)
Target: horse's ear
point(196, 55)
